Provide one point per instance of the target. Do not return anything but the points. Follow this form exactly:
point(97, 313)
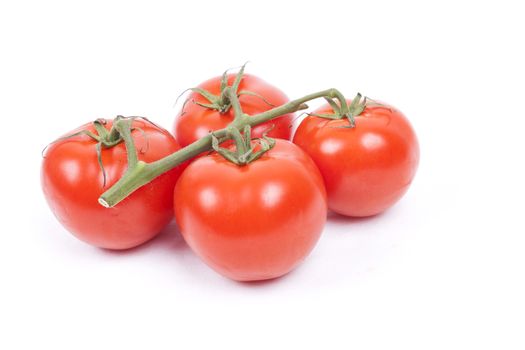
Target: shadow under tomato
point(339, 218)
point(263, 283)
point(170, 244)
point(332, 217)
point(171, 238)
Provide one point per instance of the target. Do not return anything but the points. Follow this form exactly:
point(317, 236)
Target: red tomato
point(368, 168)
point(72, 181)
point(252, 222)
point(194, 121)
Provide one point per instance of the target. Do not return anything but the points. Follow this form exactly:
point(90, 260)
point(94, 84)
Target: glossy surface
point(253, 222)
point(368, 168)
point(195, 121)
point(72, 182)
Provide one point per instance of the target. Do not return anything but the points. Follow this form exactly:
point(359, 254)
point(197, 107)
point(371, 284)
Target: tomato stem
point(233, 100)
point(223, 101)
point(245, 152)
point(140, 173)
point(123, 127)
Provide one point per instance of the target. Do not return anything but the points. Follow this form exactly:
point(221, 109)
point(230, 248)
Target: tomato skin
point(72, 181)
point(253, 222)
point(368, 168)
point(194, 122)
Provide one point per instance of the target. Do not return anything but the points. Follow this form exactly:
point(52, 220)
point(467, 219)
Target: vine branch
point(140, 173)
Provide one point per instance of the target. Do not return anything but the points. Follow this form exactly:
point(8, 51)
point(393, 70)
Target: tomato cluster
point(250, 220)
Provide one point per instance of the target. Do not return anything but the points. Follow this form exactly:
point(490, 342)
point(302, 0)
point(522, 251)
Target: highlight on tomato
point(80, 166)
point(253, 221)
point(208, 109)
point(367, 161)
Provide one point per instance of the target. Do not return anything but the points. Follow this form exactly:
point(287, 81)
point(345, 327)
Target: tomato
point(194, 121)
point(368, 168)
point(72, 180)
point(252, 222)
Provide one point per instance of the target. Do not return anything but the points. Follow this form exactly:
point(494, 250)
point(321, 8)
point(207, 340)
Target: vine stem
point(140, 173)
point(123, 127)
point(234, 101)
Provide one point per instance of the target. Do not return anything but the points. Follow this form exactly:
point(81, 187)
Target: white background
point(443, 269)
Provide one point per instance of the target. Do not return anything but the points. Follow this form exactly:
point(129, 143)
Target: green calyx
point(119, 132)
point(222, 102)
point(343, 110)
point(245, 150)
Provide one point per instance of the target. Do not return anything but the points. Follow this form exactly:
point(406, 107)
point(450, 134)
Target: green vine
point(140, 173)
